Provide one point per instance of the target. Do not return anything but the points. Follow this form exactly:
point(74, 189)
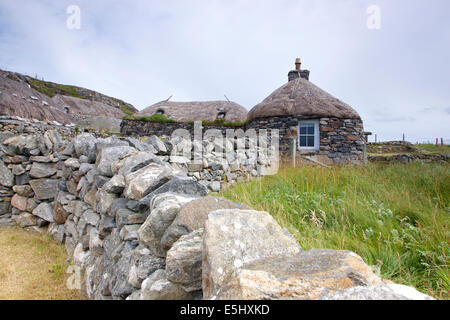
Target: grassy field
point(32, 267)
point(396, 217)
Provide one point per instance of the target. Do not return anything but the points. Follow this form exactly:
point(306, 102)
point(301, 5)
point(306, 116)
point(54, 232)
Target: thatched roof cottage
point(325, 128)
point(197, 111)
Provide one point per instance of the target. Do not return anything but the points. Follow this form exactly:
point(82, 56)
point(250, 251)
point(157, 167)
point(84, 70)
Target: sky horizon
point(389, 60)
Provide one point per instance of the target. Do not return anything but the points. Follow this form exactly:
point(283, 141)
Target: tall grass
point(396, 217)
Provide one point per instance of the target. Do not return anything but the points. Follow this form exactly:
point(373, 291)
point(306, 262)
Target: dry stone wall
point(138, 227)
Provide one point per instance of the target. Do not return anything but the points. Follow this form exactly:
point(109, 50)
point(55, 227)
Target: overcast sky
point(396, 77)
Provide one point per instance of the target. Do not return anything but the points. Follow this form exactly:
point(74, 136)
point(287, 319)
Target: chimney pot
point(298, 63)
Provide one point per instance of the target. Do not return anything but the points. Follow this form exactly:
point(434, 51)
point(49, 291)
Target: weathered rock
point(128, 217)
point(91, 217)
point(143, 264)
point(145, 180)
point(106, 225)
point(26, 220)
point(83, 144)
point(134, 162)
point(214, 186)
point(193, 215)
point(178, 184)
point(23, 179)
point(107, 156)
point(5, 208)
point(23, 191)
point(184, 261)
point(19, 202)
point(383, 292)
point(44, 189)
point(95, 243)
point(115, 185)
point(157, 144)
point(44, 211)
point(80, 257)
point(165, 207)
point(71, 230)
point(43, 159)
point(18, 169)
point(103, 201)
point(234, 238)
point(72, 163)
point(56, 231)
point(307, 275)
point(6, 176)
point(76, 207)
point(59, 213)
point(42, 170)
point(31, 204)
point(157, 287)
point(129, 232)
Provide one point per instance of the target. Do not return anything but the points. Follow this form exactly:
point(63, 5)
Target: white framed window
point(308, 135)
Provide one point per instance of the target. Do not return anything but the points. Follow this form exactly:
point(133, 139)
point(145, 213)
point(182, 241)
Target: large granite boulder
point(193, 215)
point(308, 275)
point(234, 238)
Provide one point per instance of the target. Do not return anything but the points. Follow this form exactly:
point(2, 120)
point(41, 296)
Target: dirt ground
point(33, 267)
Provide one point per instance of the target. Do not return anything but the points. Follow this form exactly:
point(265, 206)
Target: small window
point(308, 135)
point(159, 111)
point(221, 115)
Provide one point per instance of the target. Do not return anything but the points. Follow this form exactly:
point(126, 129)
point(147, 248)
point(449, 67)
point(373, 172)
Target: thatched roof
point(197, 110)
point(301, 97)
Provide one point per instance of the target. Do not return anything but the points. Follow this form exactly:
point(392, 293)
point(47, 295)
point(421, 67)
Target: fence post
point(294, 151)
point(442, 141)
point(437, 142)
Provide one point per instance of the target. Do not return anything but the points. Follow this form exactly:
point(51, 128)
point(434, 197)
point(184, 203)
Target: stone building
point(197, 111)
point(324, 128)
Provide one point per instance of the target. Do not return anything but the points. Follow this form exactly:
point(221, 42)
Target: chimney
point(298, 73)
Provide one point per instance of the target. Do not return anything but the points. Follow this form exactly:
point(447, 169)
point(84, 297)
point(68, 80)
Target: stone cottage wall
point(145, 128)
point(341, 140)
point(137, 227)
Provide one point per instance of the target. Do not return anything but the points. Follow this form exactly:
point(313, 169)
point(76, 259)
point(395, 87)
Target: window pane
point(302, 141)
point(302, 129)
point(311, 129)
point(310, 141)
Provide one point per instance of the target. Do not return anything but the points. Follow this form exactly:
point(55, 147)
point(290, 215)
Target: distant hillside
point(31, 98)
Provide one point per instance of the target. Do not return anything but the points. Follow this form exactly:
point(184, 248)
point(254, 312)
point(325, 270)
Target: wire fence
point(436, 140)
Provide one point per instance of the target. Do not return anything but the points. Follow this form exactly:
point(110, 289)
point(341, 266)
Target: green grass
point(50, 89)
point(222, 123)
point(433, 149)
point(153, 118)
point(396, 217)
